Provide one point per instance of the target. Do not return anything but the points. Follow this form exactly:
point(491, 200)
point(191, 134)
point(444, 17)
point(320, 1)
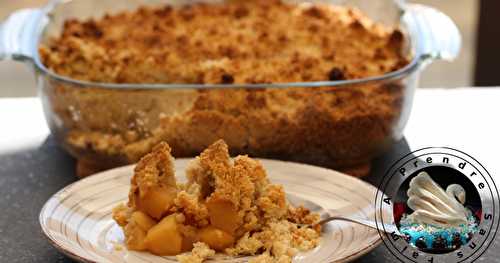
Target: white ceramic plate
point(78, 219)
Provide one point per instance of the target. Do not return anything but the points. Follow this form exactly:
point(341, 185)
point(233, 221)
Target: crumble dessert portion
point(234, 42)
point(223, 207)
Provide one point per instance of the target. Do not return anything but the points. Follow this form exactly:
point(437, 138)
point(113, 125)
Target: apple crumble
point(237, 42)
point(240, 42)
point(223, 207)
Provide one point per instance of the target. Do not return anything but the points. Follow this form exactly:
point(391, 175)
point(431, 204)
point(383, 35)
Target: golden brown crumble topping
point(243, 42)
point(223, 207)
point(239, 42)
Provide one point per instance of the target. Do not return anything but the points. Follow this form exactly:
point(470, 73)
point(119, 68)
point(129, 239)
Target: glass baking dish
point(339, 124)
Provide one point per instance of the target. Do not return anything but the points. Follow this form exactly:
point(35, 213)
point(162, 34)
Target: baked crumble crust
point(238, 42)
point(200, 252)
point(316, 125)
point(262, 212)
point(155, 169)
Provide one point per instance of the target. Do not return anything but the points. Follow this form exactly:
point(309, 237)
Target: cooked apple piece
point(140, 205)
point(159, 200)
point(164, 238)
point(223, 215)
point(190, 220)
point(217, 239)
point(137, 239)
point(187, 243)
point(189, 237)
point(143, 220)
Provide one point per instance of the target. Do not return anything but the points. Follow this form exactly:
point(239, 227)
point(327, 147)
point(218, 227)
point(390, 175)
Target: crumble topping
point(238, 42)
point(247, 42)
point(234, 204)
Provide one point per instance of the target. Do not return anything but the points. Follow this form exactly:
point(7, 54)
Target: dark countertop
point(27, 180)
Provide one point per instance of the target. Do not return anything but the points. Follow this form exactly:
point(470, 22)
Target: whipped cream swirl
point(432, 205)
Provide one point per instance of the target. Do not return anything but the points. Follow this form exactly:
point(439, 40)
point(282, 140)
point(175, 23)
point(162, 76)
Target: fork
point(388, 228)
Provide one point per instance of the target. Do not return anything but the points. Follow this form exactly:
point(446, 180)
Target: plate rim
point(68, 251)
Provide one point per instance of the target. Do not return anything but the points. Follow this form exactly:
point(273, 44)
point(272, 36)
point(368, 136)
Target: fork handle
point(388, 228)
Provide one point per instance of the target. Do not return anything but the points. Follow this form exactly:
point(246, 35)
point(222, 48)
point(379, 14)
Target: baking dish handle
point(438, 35)
point(17, 34)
